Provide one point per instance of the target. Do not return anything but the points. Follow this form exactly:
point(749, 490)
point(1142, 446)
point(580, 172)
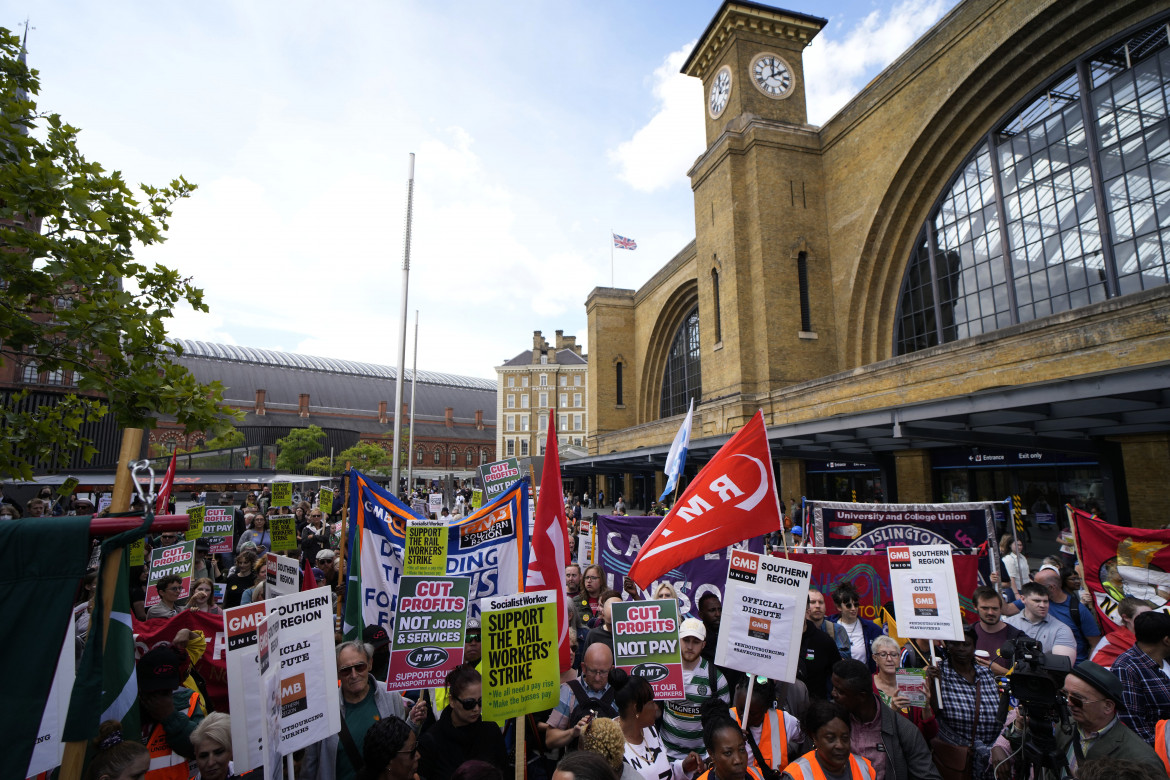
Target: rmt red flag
point(733, 498)
point(550, 539)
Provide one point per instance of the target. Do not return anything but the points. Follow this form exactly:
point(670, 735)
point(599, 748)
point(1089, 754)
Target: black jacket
point(444, 747)
point(818, 653)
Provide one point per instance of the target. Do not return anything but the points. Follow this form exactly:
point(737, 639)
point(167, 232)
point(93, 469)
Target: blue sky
point(538, 127)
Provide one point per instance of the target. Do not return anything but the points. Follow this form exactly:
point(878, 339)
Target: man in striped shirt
point(682, 731)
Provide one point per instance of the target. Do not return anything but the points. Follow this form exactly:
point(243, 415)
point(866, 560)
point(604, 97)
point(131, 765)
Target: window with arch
point(454, 459)
point(418, 455)
point(1019, 233)
point(483, 456)
point(438, 456)
point(683, 378)
point(467, 458)
point(715, 297)
point(29, 373)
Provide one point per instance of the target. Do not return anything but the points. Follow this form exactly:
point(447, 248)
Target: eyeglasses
point(595, 672)
point(346, 671)
point(887, 654)
point(1078, 701)
point(473, 637)
point(412, 751)
point(592, 577)
point(175, 587)
point(470, 704)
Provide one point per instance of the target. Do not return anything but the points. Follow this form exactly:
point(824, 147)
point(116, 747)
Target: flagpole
point(402, 332)
point(611, 284)
point(342, 580)
point(413, 382)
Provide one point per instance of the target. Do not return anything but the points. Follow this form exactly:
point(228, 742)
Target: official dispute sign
point(646, 644)
point(763, 615)
point(498, 477)
point(281, 494)
point(429, 627)
point(521, 671)
point(926, 599)
point(245, 692)
point(282, 529)
point(177, 559)
point(305, 666)
point(283, 576)
point(426, 548)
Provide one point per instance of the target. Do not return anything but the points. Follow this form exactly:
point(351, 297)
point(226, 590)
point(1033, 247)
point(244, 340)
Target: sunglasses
point(346, 671)
point(470, 704)
point(847, 604)
point(473, 637)
point(1078, 701)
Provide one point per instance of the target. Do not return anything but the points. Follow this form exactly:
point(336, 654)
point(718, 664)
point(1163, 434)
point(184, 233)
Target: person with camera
point(968, 713)
point(1094, 697)
point(589, 696)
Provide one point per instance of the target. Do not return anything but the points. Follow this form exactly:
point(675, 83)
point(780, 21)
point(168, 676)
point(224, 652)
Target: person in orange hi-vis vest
point(827, 724)
point(170, 712)
point(774, 734)
point(725, 745)
point(1162, 744)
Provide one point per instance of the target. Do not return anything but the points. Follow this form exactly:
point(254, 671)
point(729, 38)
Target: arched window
point(483, 457)
point(438, 456)
point(29, 373)
point(454, 459)
point(418, 455)
point(715, 297)
point(1019, 233)
point(683, 379)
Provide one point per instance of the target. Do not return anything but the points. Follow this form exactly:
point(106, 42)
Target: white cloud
point(836, 69)
point(660, 153)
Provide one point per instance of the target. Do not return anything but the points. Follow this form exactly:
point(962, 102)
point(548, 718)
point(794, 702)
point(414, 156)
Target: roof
point(565, 357)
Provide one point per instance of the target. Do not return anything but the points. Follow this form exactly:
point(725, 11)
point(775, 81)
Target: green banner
point(195, 515)
point(283, 531)
point(281, 494)
point(498, 477)
point(521, 671)
point(426, 548)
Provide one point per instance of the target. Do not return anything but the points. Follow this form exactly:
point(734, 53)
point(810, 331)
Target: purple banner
point(620, 538)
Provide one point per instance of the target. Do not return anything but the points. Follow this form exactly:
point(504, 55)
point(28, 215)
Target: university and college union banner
point(1120, 562)
point(866, 527)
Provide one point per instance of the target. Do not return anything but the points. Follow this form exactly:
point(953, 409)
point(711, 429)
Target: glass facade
point(1065, 203)
point(683, 379)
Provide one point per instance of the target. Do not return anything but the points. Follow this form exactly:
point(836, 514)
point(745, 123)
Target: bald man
point(583, 699)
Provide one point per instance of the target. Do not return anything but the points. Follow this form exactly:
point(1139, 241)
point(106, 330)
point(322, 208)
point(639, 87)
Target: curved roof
point(271, 357)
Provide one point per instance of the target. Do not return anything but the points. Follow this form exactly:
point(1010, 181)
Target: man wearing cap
point(1142, 672)
point(1094, 698)
point(377, 638)
point(682, 731)
point(169, 713)
point(327, 563)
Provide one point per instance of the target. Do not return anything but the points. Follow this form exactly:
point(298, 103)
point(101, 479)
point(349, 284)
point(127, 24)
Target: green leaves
point(295, 449)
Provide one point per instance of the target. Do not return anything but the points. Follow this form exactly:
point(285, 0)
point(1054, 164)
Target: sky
point(538, 127)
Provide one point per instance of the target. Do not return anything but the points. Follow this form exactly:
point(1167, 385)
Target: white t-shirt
point(650, 760)
point(856, 640)
point(1017, 568)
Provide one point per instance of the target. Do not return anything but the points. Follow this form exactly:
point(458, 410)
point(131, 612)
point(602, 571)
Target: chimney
point(450, 417)
point(479, 419)
point(382, 418)
point(304, 405)
point(537, 341)
point(405, 411)
point(260, 402)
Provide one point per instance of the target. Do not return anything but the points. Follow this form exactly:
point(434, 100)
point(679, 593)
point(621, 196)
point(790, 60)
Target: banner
point(763, 615)
point(870, 527)
point(281, 494)
point(646, 644)
point(489, 546)
point(219, 528)
point(306, 667)
point(620, 538)
point(426, 548)
point(521, 672)
point(195, 522)
point(429, 627)
point(267, 639)
point(283, 576)
point(497, 477)
point(245, 691)
point(48, 749)
point(926, 597)
point(1120, 562)
point(176, 559)
point(212, 666)
point(282, 530)
point(325, 500)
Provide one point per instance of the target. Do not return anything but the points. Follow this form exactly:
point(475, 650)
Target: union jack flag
point(621, 242)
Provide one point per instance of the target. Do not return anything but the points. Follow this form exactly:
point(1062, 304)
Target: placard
point(520, 659)
point(281, 494)
point(325, 500)
point(435, 503)
point(926, 599)
point(426, 548)
point(267, 649)
point(646, 644)
point(283, 576)
point(245, 689)
point(429, 627)
point(219, 528)
point(763, 615)
point(912, 685)
point(476, 499)
point(138, 552)
point(282, 530)
point(585, 543)
point(195, 516)
point(67, 487)
point(498, 477)
point(175, 559)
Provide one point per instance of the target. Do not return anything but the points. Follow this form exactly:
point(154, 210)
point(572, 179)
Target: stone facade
point(547, 377)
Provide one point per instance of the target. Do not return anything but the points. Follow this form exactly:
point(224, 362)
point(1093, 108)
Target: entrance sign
point(426, 548)
point(283, 576)
point(497, 476)
point(282, 530)
point(926, 599)
point(245, 692)
point(521, 671)
point(176, 559)
point(429, 627)
point(646, 644)
point(763, 615)
point(303, 659)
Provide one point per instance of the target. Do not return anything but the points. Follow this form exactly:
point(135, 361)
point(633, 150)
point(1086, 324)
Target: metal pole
point(402, 331)
point(413, 379)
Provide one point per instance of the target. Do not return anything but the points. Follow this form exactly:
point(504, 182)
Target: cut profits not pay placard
point(926, 599)
point(646, 644)
point(429, 627)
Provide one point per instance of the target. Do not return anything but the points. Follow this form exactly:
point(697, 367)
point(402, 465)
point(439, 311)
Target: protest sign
point(267, 650)
point(282, 530)
point(912, 685)
point(104, 503)
point(177, 559)
point(281, 494)
point(476, 499)
point(585, 543)
point(195, 522)
point(138, 552)
point(48, 748)
point(497, 476)
point(67, 487)
point(305, 665)
point(869, 527)
point(284, 576)
point(620, 538)
point(521, 671)
point(429, 627)
point(245, 691)
point(435, 503)
point(325, 500)
point(426, 548)
point(926, 599)
point(646, 644)
point(219, 528)
point(763, 615)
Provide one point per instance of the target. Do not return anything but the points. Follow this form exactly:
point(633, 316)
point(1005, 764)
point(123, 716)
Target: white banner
point(284, 576)
point(305, 667)
point(763, 615)
point(48, 750)
point(926, 599)
point(245, 689)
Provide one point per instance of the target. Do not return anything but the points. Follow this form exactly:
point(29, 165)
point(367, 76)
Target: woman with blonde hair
point(202, 597)
point(604, 736)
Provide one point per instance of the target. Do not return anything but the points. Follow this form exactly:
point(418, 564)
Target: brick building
point(954, 289)
point(545, 377)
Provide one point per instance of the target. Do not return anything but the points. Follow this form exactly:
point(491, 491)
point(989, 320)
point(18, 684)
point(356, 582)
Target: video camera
point(1036, 677)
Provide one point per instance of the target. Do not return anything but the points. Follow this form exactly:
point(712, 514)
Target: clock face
point(772, 76)
point(720, 92)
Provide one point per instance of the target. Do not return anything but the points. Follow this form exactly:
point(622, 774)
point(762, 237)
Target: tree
point(365, 456)
point(72, 297)
point(294, 450)
point(226, 440)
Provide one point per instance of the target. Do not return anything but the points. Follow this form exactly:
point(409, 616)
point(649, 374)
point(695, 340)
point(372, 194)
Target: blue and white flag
point(677, 457)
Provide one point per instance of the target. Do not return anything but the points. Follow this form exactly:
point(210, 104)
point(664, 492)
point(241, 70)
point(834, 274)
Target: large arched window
point(1020, 233)
point(683, 379)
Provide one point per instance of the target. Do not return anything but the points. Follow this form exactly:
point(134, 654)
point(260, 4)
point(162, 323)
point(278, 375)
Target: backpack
point(602, 707)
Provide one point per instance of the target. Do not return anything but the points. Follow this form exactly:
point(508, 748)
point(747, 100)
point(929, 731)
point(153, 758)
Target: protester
point(604, 736)
point(390, 750)
point(666, 592)
point(1053, 635)
point(117, 757)
point(723, 741)
point(818, 653)
point(1142, 672)
point(169, 589)
point(257, 535)
point(682, 727)
point(138, 576)
point(582, 699)
point(861, 632)
point(1068, 609)
point(644, 750)
point(603, 631)
point(1117, 769)
point(968, 713)
point(885, 684)
point(205, 563)
point(711, 613)
point(583, 765)
point(827, 725)
point(588, 604)
point(1121, 638)
point(212, 740)
point(314, 535)
point(241, 578)
point(835, 631)
point(991, 631)
point(1015, 564)
point(773, 737)
point(169, 712)
point(327, 563)
point(572, 581)
point(460, 733)
point(203, 597)
point(915, 654)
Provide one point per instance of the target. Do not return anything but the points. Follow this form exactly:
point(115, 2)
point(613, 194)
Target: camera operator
point(968, 715)
point(1094, 696)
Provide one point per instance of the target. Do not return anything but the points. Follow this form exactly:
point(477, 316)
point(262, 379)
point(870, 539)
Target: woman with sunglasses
point(390, 751)
point(827, 725)
point(460, 733)
point(861, 632)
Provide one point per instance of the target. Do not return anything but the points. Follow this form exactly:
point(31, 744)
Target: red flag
point(550, 538)
point(308, 579)
point(733, 498)
point(162, 502)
